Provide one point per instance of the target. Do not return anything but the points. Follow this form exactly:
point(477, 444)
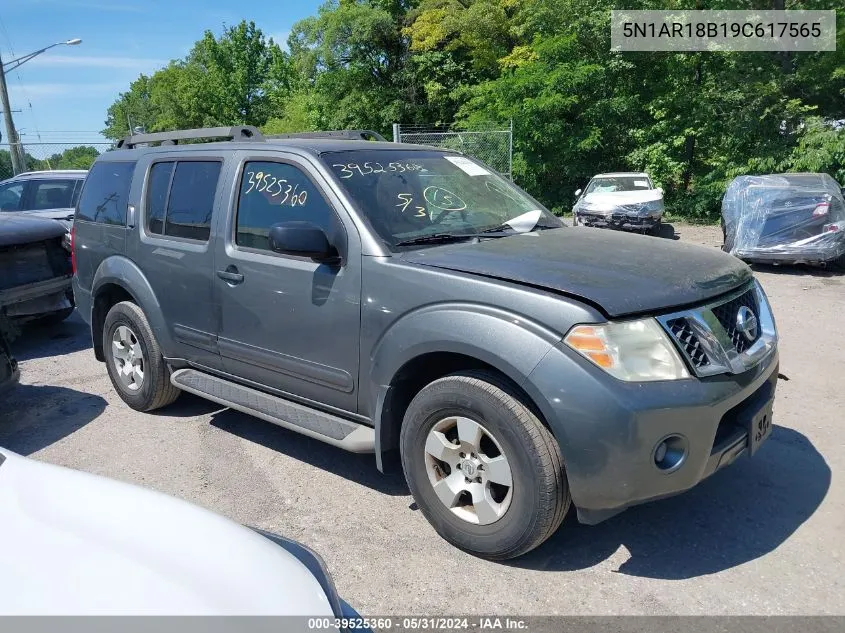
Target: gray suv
point(408, 301)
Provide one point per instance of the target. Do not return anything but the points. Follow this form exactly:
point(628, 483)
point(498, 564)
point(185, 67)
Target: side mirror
point(660, 190)
point(577, 192)
point(302, 239)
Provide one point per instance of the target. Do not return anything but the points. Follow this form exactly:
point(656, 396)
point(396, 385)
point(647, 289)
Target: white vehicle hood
point(615, 198)
point(78, 544)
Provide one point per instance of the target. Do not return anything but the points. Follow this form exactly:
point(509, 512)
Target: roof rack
point(234, 133)
point(350, 135)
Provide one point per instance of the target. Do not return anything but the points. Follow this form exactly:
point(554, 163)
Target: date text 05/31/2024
point(492, 623)
point(689, 30)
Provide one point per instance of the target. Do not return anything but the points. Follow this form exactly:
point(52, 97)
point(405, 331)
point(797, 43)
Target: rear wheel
point(481, 466)
point(134, 361)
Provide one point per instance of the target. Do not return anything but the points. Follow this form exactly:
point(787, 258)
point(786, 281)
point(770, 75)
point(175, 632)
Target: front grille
point(712, 342)
point(689, 342)
point(726, 314)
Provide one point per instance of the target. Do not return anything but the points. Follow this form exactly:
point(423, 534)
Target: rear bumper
point(792, 256)
point(38, 298)
point(608, 430)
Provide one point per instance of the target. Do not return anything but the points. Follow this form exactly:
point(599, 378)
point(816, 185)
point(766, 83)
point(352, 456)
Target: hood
point(621, 273)
point(19, 228)
point(86, 545)
point(616, 198)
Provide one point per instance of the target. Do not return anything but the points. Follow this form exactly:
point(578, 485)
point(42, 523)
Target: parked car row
point(778, 218)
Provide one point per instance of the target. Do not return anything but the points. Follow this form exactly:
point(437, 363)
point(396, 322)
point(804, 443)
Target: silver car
point(52, 194)
point(623, 200)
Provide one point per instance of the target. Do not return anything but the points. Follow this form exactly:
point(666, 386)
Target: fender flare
point(122, 272)
point(508, 342)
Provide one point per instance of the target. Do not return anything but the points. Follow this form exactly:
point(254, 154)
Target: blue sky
point(64, 92)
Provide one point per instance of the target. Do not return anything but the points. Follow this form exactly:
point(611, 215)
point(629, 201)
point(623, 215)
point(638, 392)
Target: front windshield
point(610, 184)
point(407, 195)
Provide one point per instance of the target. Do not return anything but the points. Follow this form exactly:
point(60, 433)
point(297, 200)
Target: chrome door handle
point(230, 275)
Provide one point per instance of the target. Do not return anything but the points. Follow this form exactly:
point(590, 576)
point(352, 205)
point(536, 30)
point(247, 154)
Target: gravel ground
point(764, 536)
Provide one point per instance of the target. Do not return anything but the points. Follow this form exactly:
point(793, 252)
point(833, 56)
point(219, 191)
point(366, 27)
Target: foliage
point(79, 157)
point(694, 121)
point(239, 77)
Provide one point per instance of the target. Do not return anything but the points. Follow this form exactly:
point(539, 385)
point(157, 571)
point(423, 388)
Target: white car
point(624, 200)
point(80, 544)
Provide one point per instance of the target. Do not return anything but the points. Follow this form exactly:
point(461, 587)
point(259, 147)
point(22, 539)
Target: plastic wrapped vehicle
point(785, 218)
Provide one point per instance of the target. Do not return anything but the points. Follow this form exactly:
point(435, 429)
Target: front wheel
point(481, 466)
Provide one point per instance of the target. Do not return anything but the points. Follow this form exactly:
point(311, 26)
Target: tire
point(152, 389)
point(528, 512)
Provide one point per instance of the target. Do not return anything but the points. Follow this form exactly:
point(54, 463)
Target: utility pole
point(15, 147)
point(11, 134)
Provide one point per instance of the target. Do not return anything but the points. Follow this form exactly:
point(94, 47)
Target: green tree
point(79, 157)
point(239, 77)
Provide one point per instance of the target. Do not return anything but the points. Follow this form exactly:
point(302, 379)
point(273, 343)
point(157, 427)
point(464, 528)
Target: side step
point(356, 438)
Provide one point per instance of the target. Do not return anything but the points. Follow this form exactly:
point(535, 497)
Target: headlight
point(629, 350)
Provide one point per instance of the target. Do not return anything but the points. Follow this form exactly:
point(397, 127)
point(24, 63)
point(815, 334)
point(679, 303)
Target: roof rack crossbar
point(234, 133)
point(351, 135)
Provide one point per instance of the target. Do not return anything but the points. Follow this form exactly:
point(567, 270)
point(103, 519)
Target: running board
point(356, 438)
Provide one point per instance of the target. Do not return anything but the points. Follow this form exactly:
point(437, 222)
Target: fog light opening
point(670, 452)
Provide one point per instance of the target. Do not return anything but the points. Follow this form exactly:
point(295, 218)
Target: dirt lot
point(762, 537)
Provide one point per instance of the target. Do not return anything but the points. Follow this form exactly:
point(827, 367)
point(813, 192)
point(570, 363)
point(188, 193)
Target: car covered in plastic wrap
point(785, 218)
point(625, 200)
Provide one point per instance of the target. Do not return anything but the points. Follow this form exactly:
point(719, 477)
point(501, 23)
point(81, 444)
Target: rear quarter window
point(105, 193)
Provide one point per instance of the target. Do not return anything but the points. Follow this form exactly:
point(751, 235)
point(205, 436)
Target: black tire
point(156, 390)
point(540, 497)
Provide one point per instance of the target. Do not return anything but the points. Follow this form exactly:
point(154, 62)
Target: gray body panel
point(294, 333)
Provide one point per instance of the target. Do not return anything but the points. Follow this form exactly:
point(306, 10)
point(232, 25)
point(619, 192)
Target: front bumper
point(608, 430)
point(618, 220)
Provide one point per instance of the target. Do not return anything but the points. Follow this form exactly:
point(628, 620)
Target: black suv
point(392, 298)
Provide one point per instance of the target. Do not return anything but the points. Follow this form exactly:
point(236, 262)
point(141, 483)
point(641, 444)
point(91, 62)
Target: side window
point(180, 198)
point(10, 196)
point(52, 194)
point(106, 193)
point(277, 192)
point(157, 187)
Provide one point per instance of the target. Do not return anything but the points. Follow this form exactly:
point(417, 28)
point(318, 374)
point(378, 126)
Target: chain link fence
point(38, 156)
point(491, 144)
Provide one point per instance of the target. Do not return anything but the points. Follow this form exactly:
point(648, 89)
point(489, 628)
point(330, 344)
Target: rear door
point(172, 246)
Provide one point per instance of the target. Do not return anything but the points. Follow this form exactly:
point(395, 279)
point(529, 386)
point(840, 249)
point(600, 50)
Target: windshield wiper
point(436, 238)
point(507, 229)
